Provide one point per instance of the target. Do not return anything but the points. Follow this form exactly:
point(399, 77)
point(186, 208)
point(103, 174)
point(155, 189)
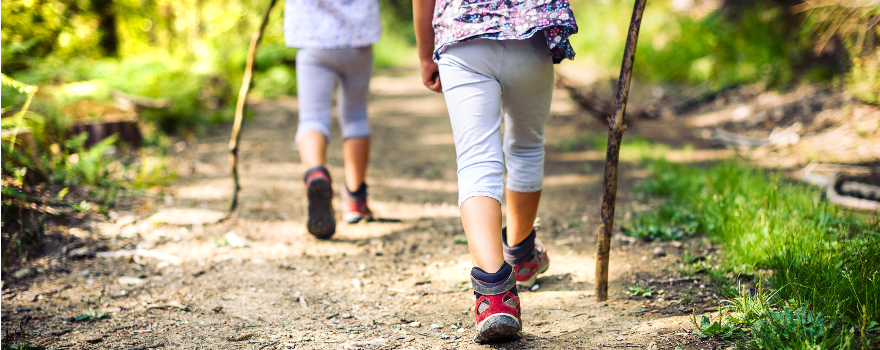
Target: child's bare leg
point(481, 218)
point(522, 207)
point(356, 152)
point(312, 148)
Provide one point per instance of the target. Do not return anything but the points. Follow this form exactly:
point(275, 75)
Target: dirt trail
point(400, 283)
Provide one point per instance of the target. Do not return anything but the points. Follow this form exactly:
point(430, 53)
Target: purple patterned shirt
point(462, 20)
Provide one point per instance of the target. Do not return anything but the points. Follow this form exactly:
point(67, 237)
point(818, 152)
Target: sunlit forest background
point(190, 52)
point(178, 64)
point(175, 66)
point(193, 52)
point(99, 96)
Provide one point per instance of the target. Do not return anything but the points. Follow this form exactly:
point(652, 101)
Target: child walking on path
point(495, 61)
point(335, 41)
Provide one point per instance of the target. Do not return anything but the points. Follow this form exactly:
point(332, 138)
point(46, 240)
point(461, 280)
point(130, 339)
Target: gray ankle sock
point(358, 195)
point(521, 252)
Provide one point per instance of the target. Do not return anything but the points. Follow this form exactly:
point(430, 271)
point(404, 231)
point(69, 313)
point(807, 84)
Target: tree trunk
point(109, 41)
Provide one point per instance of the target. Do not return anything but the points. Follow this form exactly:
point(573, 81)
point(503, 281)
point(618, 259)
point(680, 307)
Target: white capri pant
point(485, 81)
point(317, 71)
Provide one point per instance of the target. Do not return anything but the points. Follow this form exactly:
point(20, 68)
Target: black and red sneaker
point(529, 259)
point(320, 222)
point(354, 206)
point(527, 271)
point(497, 310)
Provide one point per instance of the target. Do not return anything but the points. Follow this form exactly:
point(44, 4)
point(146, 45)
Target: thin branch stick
point(240, 107)
point(612, 157)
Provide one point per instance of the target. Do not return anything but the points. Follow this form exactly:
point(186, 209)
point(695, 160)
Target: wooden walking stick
point(615, 134)
point(240, 106)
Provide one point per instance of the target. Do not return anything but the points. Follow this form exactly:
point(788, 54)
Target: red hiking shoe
point(497, 311)
point(321, 221)
point(527, 271)
point(355, 209)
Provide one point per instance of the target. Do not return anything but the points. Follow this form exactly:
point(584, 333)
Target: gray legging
point(316, 73)
point(485, 81)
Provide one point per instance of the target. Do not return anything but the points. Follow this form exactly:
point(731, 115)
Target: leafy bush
point(718, 48)
point(767, 42)
point(850, 25)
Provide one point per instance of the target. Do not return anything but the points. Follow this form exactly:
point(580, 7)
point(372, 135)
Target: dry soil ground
point(401, 282)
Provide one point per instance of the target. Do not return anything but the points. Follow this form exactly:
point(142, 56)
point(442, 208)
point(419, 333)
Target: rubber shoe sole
point(498, 328)
point(321, 222)
point(353, 218)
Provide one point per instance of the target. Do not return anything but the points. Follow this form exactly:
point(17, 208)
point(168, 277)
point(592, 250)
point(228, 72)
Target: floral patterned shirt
point(462, 20)
point(331, 24)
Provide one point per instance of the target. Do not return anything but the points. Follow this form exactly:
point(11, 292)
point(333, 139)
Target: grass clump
point(745, 308)
point(718, 328)
point(637, 290)
point(799, 329)
point(822, 260)
point(91, 314)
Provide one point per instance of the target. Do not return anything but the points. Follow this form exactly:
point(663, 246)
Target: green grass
point(799, 329)
point(676, 223)
point(745, 308)
point(823, 260)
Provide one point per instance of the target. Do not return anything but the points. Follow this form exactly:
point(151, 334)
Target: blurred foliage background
point(193, 51)
point(778, 43)
point(73, 62)
point(176, 66)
